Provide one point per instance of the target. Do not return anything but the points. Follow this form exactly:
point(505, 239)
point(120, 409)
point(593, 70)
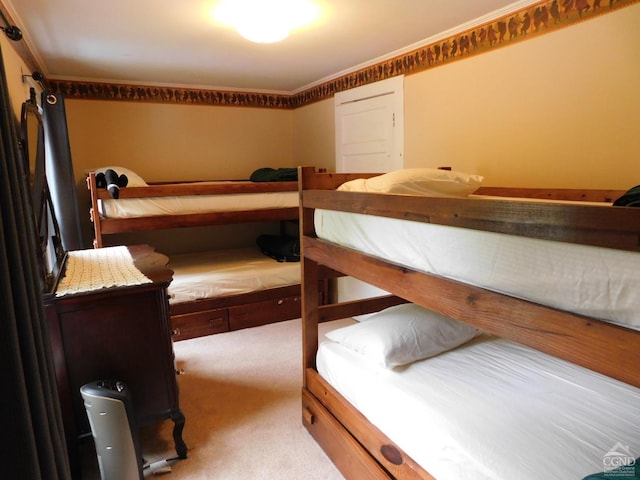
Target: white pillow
point(402, 334)
point(417, 181)
point(134, 180)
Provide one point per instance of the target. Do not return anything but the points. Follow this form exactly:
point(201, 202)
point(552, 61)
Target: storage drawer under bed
point(262, 313)
point(198, 324)
point(235, 317)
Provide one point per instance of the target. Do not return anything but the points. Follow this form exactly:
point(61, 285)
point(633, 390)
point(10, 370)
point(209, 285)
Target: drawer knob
point(392, 454)
point(280, 302)
point(308, 416)
point(175, 332)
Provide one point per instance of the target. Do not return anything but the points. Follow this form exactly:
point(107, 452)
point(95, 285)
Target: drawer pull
point(280, 302)
point(175, 332)
point(308, 416)
point(180, 371)
point(215, 321)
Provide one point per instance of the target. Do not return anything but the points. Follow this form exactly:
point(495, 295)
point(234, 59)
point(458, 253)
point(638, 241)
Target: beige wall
point(189, 142)
point(15, 68)
point(313, 143)
point(165, 142)
point(560, 110)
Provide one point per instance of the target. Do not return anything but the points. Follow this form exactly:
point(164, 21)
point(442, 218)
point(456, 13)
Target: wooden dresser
point(118, 333)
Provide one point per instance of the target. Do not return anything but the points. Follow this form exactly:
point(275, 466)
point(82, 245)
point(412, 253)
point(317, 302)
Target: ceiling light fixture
point(265, 21)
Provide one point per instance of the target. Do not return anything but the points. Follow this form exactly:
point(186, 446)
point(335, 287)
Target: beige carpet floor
point(240, 394)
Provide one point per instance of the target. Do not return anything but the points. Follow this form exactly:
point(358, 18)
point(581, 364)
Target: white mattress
point(598, 282)
point(492, 409)
point(220, 273)
point(154, 206)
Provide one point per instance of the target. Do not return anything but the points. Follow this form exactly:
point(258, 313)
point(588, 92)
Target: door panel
point(369, 138)
point(369, 127)
point(366, 134)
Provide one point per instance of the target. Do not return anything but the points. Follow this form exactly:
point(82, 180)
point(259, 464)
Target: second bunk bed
point(212, 291)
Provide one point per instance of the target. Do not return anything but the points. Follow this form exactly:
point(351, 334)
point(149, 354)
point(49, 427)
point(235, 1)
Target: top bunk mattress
point(218, 273)
point(191, 204)
point(593, 281)
point(492, 409)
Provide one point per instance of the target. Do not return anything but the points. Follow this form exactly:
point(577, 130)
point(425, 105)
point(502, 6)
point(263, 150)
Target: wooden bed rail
point(591, 195)
point(385, 452)
point(118, 225)
point(106, 226)
point(309, 179)
point(605, 226)
point(199, 188)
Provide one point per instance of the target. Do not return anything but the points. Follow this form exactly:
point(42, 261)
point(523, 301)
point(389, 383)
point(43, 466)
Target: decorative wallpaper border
point(537, 19)
point(139, 93)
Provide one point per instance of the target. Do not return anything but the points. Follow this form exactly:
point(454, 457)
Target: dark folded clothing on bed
point(274, 175)
point(631, 198)
point(282, 248)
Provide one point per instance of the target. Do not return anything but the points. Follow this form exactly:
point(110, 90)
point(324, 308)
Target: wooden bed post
point(309, 272)
point(310, 304)
point(351, 458)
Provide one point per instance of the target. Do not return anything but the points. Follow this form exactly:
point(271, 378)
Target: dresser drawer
point(207, 322)
point(262, 313)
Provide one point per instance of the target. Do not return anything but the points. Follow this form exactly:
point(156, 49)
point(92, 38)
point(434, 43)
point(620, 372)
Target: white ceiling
point(173, 42)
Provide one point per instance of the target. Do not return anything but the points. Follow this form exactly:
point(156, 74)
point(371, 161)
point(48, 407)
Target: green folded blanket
point(274, 175)
point(631, 198)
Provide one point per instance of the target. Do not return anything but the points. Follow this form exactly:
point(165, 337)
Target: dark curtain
point(59, 168)
point(33, 444)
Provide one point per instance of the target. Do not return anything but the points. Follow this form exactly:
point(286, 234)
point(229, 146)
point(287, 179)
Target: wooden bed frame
point(216, 315)
point(360, 450)
point(105, 226)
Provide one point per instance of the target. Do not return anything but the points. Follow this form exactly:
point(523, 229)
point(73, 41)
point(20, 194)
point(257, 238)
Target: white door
point(369, 138)
point(369, 127)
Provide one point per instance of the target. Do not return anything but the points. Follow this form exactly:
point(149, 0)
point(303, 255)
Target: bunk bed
point(153, 206)
point(546, 385)
point(212, 292)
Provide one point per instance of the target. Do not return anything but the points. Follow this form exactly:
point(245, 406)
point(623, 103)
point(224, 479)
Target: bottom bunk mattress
point(492, 409)
point(218, 273)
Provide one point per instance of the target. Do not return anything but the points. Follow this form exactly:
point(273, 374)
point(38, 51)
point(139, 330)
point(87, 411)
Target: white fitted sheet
point(594, 281)
point(491, 409)
point(220, 273)
point(177, 205)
